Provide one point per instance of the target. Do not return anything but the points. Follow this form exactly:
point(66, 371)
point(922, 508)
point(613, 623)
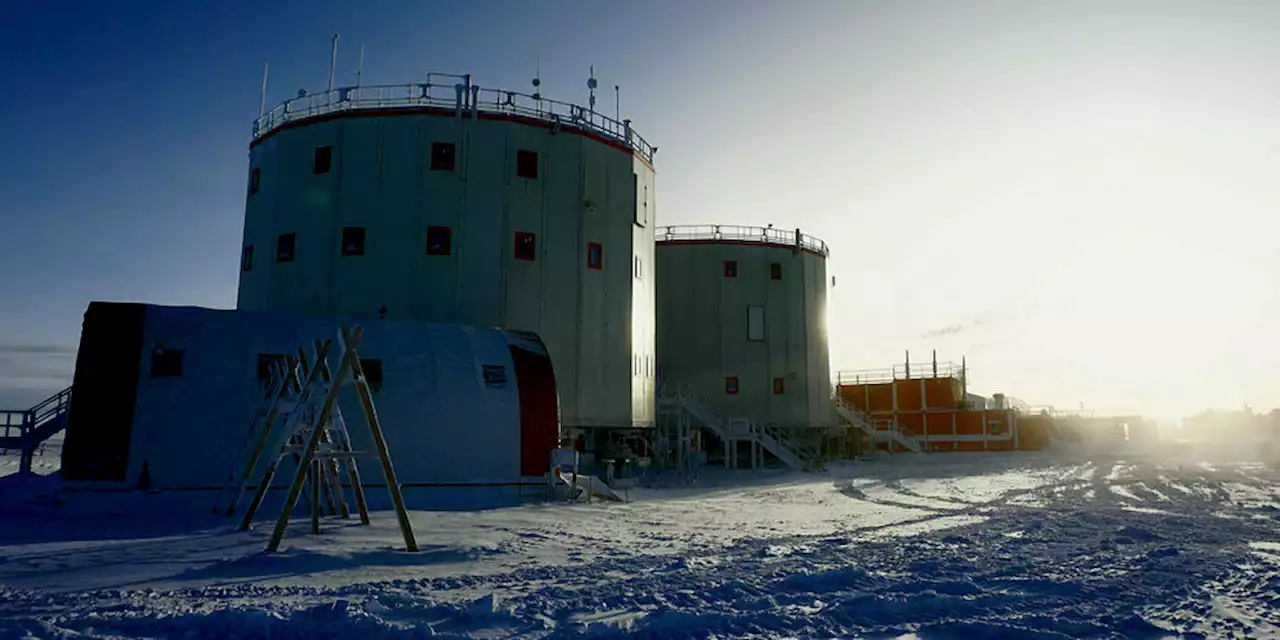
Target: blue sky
point(1083, 191)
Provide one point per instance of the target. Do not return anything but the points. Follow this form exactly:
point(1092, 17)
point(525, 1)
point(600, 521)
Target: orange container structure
point(929, 406)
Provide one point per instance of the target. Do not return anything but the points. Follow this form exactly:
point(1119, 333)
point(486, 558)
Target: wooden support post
point(315, 497)
point(272, 412)
point(295, 488)
point(350, 339)
point(353, 472)
point(323, 485)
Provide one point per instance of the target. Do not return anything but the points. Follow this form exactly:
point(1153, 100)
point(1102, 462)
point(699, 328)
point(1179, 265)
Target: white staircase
point(741, 429)
point(892, 433)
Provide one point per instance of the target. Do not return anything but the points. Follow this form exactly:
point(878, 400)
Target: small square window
point(755, 323)
point(527, 164)
point(595, 255)
point(353, 241)
point(372, 368)
point(775, 271)
point(779, 386)
point(284, 247)
point(730, 268)
point(255, 180)
point(731, 385)
point(323, 160)
point(246, 258)
point(526, 246)
point(639, 268)
point(439, 241)
point(166, 363)
point(442, 156)
point(268, 365)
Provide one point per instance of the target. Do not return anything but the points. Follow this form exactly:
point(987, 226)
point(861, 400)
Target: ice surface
point(944, 546)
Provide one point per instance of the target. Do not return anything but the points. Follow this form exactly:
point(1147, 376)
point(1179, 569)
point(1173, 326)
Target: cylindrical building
point(445, 202)
point(741, 322)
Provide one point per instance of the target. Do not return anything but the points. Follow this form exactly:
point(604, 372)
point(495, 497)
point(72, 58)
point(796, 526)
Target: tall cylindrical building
point(741, 322)
point(443, 201)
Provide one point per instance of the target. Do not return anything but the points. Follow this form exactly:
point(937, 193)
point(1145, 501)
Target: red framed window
point(779, 386)
point(595, 255)
point(442, 154)
point(322, 161)
point(285, 244)
point(526, 246)
point(439, 241)
point(775, 271)
point(730, 268)
point(353, 241)
point(731, 385)
point(527, 164)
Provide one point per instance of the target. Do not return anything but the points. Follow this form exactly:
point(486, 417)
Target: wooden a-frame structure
point(303, 397)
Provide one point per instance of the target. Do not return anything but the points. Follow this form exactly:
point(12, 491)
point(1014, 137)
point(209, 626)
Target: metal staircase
point(770, 438)
point(26, 429)
point(892, 431)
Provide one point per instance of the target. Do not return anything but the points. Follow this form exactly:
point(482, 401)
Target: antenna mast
point(617, 104)
point(262, 101)
point(360, 69)
point(591, 89)
point(333, 60)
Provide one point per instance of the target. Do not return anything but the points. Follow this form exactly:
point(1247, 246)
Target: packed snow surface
point(1068, 544)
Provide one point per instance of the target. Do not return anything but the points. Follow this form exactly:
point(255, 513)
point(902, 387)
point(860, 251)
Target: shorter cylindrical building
point(741, 322)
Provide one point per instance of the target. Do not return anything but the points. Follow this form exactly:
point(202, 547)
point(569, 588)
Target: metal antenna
point(537, 81)
point(333, 60)
point(262, 101)
point(360, 69)
point(617, 104)
point(591, 88)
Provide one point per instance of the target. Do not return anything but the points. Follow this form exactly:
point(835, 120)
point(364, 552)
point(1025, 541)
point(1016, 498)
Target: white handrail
point(739, 233)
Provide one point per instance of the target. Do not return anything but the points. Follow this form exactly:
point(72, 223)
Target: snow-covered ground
point(1068, 544)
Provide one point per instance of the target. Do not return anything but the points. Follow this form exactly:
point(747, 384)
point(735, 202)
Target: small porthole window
point(731, 385)
point(775, 271)
point(730, 268)
point(779, 386)
point(166, 363)
point(353, 241)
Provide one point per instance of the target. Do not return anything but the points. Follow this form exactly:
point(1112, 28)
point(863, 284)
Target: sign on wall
point(495, 376)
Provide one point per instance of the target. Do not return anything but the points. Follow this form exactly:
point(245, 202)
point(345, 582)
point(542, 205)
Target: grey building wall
point(704, 334)
point(596, 323)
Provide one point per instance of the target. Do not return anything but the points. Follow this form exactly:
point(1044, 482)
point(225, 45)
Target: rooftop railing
point(735, 233)
point(901, 372)
point(463, 98)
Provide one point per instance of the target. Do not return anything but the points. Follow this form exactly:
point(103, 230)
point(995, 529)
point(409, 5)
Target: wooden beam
point(295, 487)
point(350, 339)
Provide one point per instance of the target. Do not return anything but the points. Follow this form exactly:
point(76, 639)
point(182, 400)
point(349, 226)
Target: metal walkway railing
point(26, 429)
point(737, 233)
point(455, 92)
